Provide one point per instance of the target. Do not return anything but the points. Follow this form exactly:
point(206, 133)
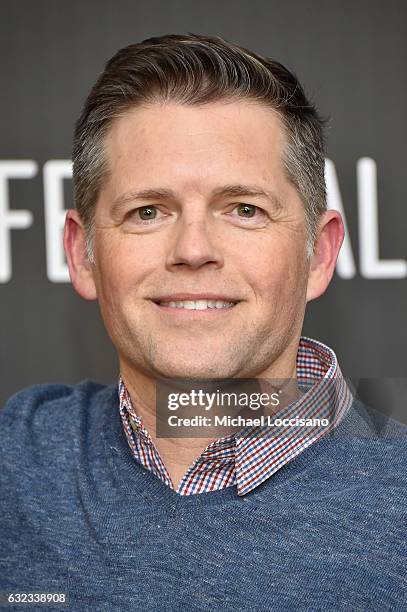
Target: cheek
point(279, 277)
point(113, 274)
point(122, 264)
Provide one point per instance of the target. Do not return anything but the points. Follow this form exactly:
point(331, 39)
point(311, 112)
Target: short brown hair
point(195, 69)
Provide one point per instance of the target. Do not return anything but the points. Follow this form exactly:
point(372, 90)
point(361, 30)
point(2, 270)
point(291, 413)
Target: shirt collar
point(259, 452)
point(328, 398)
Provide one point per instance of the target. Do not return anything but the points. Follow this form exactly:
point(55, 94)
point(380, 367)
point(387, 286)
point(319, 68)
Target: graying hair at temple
point(196, 70)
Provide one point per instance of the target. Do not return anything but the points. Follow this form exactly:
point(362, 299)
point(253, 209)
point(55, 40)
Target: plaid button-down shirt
point(246, 460)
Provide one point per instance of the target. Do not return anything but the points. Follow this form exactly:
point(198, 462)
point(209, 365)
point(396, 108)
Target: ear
point(80, 269)
point(326, 248)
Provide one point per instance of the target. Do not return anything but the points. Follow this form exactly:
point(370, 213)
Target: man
point(201, 228)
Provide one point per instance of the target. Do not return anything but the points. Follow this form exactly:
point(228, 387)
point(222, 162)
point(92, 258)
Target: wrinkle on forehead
point(194, 150)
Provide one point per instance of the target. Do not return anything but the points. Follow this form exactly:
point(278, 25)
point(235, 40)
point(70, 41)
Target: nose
point(195, 244)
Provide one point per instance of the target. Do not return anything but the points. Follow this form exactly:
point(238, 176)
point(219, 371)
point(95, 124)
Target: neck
point(179, 453)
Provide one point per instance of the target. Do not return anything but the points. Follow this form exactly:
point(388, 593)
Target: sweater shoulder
point(47, 420)
point(366, 422)
point(44, 400)
point(368, 444)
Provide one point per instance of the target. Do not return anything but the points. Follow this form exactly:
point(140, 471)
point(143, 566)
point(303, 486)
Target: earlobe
point(326, 250)
point(80, 269)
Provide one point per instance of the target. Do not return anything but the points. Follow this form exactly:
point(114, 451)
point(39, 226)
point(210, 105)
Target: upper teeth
point(198, 304)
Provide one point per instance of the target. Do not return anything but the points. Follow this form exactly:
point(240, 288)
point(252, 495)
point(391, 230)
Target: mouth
point(195, 307)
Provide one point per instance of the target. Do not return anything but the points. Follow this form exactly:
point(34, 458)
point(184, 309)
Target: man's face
point(218, 217)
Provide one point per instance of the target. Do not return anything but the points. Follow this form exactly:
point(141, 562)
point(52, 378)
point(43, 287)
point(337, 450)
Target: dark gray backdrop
point(352, 59)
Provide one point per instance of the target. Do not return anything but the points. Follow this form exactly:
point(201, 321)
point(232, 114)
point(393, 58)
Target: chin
point(193, 370)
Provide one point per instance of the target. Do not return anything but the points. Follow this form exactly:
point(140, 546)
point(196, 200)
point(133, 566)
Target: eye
point(147, 218)
point(143, 215)
point(146, 212)
point(249, 211)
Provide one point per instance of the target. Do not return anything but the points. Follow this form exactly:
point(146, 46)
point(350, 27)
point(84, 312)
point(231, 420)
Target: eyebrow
point(150, 195)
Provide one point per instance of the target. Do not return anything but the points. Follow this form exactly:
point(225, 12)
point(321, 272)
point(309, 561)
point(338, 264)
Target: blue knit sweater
point(79, 515)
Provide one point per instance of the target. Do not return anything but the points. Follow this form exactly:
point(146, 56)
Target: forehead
point(195, 147)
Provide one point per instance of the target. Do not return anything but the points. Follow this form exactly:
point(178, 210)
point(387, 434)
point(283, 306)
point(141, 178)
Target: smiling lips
point(198, 304)
point(203, 302)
